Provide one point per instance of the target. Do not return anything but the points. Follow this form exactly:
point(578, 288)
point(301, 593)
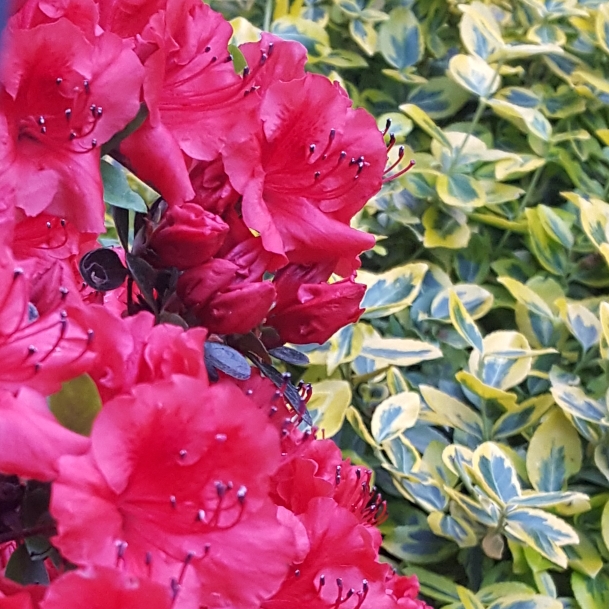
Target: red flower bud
point(240, 310)
point(315, 311)
point(196, 286)
point(187, 237)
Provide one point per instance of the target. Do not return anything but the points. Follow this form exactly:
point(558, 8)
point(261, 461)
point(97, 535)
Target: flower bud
point(198, 285)
point(240, 310)
point(186, 237)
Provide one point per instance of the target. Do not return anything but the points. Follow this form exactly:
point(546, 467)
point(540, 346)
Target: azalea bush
point(175, 209)
point(475, 383)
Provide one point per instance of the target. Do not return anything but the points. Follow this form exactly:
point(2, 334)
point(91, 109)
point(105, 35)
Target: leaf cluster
point(476, 382)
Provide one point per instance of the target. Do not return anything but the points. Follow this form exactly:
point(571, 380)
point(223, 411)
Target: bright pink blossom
point(311, 167)
point(64, 94)
point(105, 588)
point(31, 438)
point(177, 477)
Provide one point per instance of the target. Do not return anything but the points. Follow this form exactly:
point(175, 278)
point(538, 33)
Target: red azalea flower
point(177, 479)
point(64, 95)
point(105, 588)
point(32, 440)
point(310, 310)
point(190, 89)
point(83, 13)
point(15, 596)
point(313, 165)
point(340, 569)
point(213, 190)
point(48, 237)
point(44, 339)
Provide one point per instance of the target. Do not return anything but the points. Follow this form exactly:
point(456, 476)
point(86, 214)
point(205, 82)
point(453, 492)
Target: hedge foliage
point(475, 384)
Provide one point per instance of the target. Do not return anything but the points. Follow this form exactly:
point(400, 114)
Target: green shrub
point(475, 383)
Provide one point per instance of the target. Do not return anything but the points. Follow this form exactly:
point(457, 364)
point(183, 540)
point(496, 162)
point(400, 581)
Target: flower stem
point(268, 13)
point(44, 529)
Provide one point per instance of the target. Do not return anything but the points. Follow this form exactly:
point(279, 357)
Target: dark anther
point(206, 549)
point(99, 111)
point(263, 58)
point(92, 109)
point(214, 58)
point(120, 549)
point(173, 501)
point(68, 113)
point(272, 411)
point(48, 225)
point(175, 588)
point(32, 313)
point(312, 148)
point(37, 367)
point(207, 49)
point(63, 291)
point(322, 580)
point(93, 142)
point(358, 473)
point(271, 47)
point(241, 493)
point(246, 93)
point(58, 80)
point(17, 272)
point(148, 559)
point(63, 314)
point(246, 71)
point(391, 142)
point(249, 392)
point(183, 454)
point(72, 135)
point(90, 335)
point(387, 126)
point(342, 156)
point(337, 477)
point(221, 437)
point(229, 485)
point(297, 573)
point(43, 130)
point(62, 222)
point(317, 175)
point(286, 376)
point(332, 134)
point(365, 585)
point(41, 120)
point(228, 59)
point(200, 516)
point(86, 86)
point(220, 489)
point(31, 350)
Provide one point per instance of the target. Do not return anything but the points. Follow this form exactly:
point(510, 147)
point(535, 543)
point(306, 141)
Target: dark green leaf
point(226, 359)
point(291, 356)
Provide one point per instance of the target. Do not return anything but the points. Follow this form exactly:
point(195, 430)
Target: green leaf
point(227, 360)
point(528, 120)
point(392, 291)
point(402, 455)
point(480, 32)
point(550, 253)
point(576, 403)
point(401, 39)
point(554, 453)
point(527, 297)
point(23, 570)
point(543, 532)
point(495, 472)
point(399, 351)
point(116, 188)
point(463, 323)
point(451, 412)
point(311, 35)
point(453, 528)
point(582, 323)
point(476, 300)
point(518, 601)
point(364, 35)
point(439, 97)
point(591, 592)
point(555, 226)
point(435, 586)
point(474, 75)
point(76, 404)
point(425, 123)
point(394, 415)
point(424, 490)
point(445, 230)
point(460, 190)
point(328, 405)
point(416, 543)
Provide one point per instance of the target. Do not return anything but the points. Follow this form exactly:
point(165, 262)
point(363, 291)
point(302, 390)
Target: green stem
point(268, 15)
point(530, 189)
point(477, 116)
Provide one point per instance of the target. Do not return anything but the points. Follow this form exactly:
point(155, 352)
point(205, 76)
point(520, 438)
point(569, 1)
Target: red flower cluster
point(196, 487)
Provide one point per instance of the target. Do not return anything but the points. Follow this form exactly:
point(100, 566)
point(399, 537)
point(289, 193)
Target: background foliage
point(476, 382)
